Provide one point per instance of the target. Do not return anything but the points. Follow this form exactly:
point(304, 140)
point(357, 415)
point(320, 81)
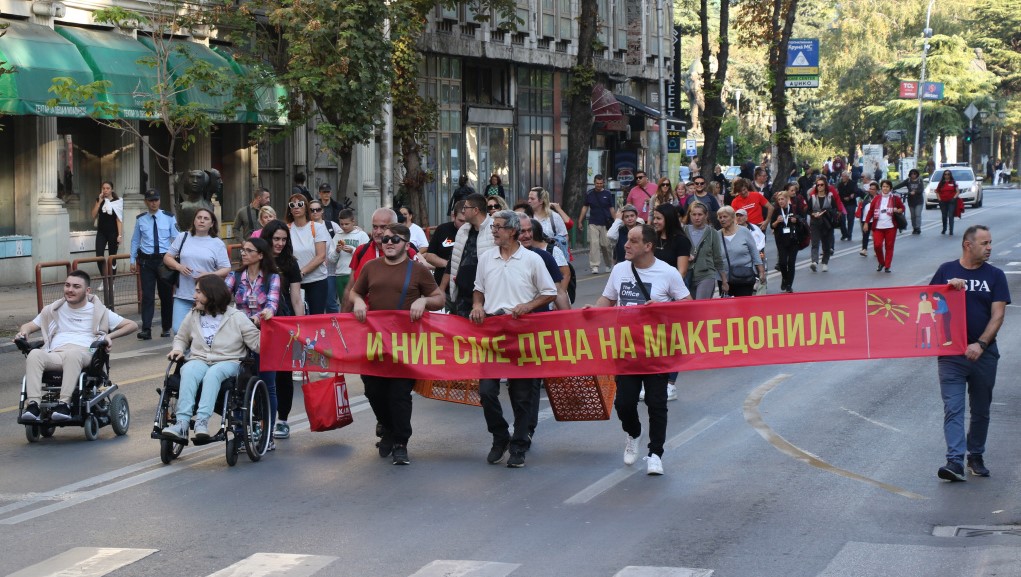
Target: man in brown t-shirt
point(394, 283)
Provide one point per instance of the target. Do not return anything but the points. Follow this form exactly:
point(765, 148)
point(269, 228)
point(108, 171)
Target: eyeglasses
point(468, 206)
point(640, 177)
point(316, 209)
point(296, 204)
point(493, 206)
point(251, 250)
point(499, 227)
point(392, 240)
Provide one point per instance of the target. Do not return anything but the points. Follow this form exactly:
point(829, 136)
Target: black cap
point(325, 186)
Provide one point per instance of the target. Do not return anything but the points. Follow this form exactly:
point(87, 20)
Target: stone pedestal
point(129, 182)
point(366, 186)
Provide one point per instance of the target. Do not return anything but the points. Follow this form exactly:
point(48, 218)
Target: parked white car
point(971, 187)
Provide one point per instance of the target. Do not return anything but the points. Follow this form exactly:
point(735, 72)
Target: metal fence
point(47, 292)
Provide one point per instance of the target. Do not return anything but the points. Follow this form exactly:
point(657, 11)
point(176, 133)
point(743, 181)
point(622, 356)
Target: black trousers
point(520, 392)
point(148, 271)
point(626, 403)
point(390, 399)
point(285, 394)
point(103, 242)
point(786, 259)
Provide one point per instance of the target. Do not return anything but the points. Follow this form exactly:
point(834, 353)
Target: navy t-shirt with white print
point(985, 285)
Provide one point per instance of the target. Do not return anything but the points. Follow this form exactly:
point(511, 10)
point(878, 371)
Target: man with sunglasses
point(642, 195)
point(601, 214)
point(473, 238)
point(381, 219)
point(394, 283)
point(511, 280)
point(702, 195)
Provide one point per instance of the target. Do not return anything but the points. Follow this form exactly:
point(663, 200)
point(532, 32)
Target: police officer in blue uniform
point(155, 229)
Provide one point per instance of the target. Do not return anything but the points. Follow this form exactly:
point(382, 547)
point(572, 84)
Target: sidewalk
point(17, 307)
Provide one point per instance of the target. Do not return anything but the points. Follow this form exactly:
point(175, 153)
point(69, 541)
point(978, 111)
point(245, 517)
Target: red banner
point(663, 337)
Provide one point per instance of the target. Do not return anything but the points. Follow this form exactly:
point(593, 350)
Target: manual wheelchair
point(242, 403)
point(95, 402)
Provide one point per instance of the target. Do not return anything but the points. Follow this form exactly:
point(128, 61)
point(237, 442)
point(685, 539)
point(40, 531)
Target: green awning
point(266, 108)
point(115, 57)
point(38, 54)
point(211, 103)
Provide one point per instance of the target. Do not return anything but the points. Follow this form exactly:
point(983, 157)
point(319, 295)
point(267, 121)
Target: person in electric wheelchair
point(219, 337)
point(58, 370)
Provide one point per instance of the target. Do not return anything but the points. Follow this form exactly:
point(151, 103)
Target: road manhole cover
point(976, 530)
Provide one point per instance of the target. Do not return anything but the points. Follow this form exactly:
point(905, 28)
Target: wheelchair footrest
point(218, 437)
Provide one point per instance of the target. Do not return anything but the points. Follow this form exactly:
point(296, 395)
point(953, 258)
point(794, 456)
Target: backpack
point(572, 285)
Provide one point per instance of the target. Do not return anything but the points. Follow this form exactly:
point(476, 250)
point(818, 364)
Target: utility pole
point(926, 34)
point(663, 150)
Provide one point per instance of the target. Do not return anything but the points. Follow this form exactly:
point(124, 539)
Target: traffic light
point(968, 137)
point(731, 149)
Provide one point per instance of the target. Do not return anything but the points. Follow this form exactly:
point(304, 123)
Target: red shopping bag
point(326, 403)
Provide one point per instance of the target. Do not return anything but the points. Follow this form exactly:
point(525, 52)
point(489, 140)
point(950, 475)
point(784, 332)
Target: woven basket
point(581, 398)
point(464, 391)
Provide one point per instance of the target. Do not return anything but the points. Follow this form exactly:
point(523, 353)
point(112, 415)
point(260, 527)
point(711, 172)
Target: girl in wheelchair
point(219, 336)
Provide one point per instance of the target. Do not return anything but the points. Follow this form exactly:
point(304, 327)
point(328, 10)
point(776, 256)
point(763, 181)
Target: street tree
point(579, 133)
point(713, 83)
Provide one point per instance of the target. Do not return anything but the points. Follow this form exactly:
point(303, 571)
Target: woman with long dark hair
point(882, 224)
point(947, 191)
point(108, 212)
point(278, 236)
point(196, 253)
point(674, 248)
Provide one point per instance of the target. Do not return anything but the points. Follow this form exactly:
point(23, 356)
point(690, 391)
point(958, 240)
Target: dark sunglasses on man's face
point(392, 240)
point(699, 183)
point(296, 204)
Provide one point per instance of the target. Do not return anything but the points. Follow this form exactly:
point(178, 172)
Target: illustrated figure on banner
point(195, 190)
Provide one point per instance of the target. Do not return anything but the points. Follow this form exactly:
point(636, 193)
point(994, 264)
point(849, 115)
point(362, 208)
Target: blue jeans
point(331, 295)
point(181, 308)
point(197, 371)
point(958, 375)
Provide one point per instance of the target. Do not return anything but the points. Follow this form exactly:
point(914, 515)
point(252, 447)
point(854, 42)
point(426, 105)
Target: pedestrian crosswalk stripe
point(276, 565)
point(85, 562)
point(636, 571)
point(449, 568)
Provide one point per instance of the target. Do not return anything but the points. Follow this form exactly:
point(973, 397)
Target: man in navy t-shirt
point(974, 372)
point(599, 206)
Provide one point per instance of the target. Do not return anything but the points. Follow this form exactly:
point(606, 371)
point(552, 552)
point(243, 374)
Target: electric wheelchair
point(95, 402)
point(242, 403)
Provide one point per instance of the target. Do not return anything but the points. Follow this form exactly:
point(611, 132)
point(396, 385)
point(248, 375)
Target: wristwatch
point(982, 344)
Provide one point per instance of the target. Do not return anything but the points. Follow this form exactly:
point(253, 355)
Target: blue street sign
point(691, 148)
point(803, 56)
point(932, 91)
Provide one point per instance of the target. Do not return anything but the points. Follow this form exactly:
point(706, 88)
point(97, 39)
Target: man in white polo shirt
point(511, 279)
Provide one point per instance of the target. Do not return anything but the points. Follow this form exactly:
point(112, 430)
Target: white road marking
point(754, 418)
point(636, 571)
point(619, 475)
point(85, 562)
point(876, 423)
point(130, 476)
point(449, 568)
point(1013, 263)
point(276, 565)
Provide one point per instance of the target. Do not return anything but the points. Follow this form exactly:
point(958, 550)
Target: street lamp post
point(663, 149)
point(926, 34)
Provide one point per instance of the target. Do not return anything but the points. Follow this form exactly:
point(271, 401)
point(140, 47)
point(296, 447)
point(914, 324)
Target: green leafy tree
point(579, 133)
point(713, 83)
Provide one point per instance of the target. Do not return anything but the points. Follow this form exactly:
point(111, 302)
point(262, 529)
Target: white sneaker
point(202, 428)
point(595, 270)
point(812, 266)
point(654, 465)
point(863, 252)
point(631, 450)
point(641, 394)
point(825, 267)
point(671, 392)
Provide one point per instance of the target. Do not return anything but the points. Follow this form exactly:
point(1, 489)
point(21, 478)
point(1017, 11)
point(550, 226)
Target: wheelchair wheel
point(232, 451)
point(256, 417)
point(169, 450)
point(91, 427)
point(32, 433)
point(120, 414)
point(47, 431)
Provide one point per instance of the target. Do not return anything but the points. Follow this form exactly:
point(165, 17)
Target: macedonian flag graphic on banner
point(661, 337)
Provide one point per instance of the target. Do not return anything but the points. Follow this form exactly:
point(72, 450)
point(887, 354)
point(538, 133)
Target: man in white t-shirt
point(69, 326)
point(655, 281)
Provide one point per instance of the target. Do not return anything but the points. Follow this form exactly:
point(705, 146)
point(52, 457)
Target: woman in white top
point(418, 237)
point(108, 213)
point(196, 253)
point(553, 225)
point(315, 210)
point(309, 240)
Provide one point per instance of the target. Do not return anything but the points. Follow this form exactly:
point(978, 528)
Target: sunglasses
point(699, 183)
point(492, 206)
point(316, 209)
point(640, 177)
point(297, 204)
point(392, 240)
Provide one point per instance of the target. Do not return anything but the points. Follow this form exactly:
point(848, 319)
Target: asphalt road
point(796, 470)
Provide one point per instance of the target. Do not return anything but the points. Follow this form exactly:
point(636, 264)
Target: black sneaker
point(976, 466)
point(496, 453)
point(62, 412)
point(516, 460)
point(31, 412)
point(951, 472)
point(400, 453)
point(144, 335)
point(166, 333)
point(385, 445)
